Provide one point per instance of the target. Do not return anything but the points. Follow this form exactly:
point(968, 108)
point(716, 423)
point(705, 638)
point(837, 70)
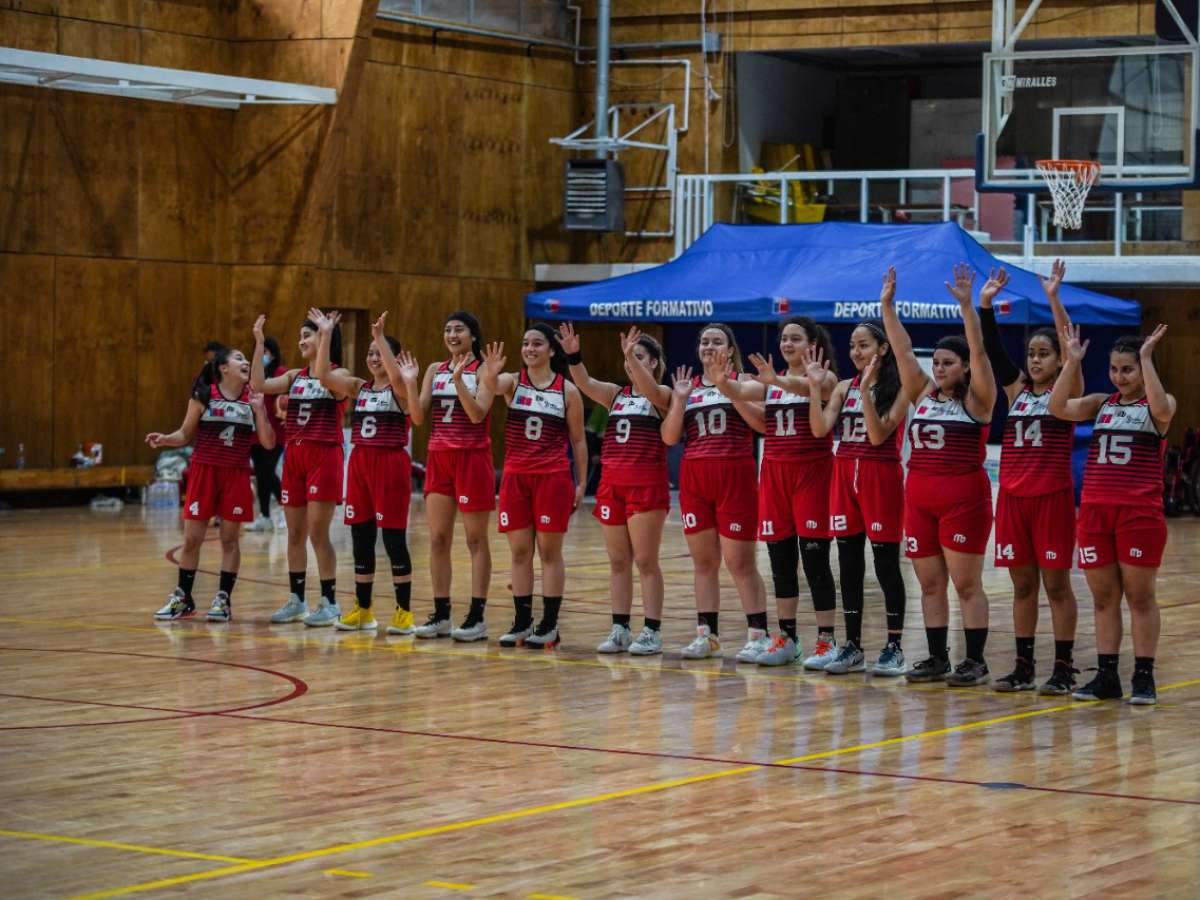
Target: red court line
point(299, 689)
point(693, 758)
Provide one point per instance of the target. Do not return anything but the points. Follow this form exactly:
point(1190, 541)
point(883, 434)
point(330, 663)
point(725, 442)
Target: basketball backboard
point(1132, 109)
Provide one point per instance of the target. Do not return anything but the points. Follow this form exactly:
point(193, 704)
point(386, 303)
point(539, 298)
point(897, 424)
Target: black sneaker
point(1061, 682)
point(1019, 679)
point(968, 673)
point(1142, 692)
point(1105, 686)
point(932, 669)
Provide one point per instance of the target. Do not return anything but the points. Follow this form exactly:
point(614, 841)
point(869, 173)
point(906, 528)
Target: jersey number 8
point(533, 428)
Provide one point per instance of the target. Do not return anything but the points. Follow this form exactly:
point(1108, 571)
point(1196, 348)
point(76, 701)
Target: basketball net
point(1069, 181)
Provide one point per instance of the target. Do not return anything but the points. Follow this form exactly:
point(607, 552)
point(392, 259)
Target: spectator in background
point(266, 461)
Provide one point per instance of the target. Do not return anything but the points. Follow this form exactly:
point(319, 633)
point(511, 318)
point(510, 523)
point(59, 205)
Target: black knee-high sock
point(227, 581)
point(550, 607)
point(1064, 651)
point(976, 640)
point(757, 620)
point(475, 613)
point(441, 607)
point(403, 591)
point(709, 619)
point(328, 586)
point(296, 583)
point(524, 608)
point(187, 578)
point(621, 619)
point(788, 627)
point(852, 566)
point(891, 582)
point(362, 593)
point(938, 639)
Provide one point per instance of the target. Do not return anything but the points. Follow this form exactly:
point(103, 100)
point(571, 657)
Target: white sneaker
point(648, 643)
point(470, 633)
point(823, 654)
point(706, 645)
point(618, 640)
point(324, 615)
point(262, 523)
point(433, 627)
point(782, 652)
point(515, 635)
point(221, 609)
point(292, 611)
point(540, 639)
point(280, 521)
point(758, 642)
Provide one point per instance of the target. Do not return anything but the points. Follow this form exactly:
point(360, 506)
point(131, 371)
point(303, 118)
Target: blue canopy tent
point(830, 271)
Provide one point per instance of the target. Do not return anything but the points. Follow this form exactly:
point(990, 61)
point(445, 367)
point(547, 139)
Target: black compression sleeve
point(1002, 365)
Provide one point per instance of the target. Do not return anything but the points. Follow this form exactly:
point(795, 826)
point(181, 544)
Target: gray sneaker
point(221, 609)
point(648, 643)
point(292, 611)
point(324, 615)
point(469, 632)
point(890, 662)
point(434, 628)
point(968, 673)
point(849, 659)
point(782, 652)
point(619, 639)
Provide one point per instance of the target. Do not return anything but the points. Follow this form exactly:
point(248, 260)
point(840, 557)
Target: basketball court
point(249, 759)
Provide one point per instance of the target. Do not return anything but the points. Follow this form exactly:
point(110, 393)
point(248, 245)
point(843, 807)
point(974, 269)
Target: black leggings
point(264, 475)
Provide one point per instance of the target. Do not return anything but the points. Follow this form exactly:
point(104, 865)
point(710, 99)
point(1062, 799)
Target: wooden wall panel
point(95, 366)
point(283, 294)
point(93, 168)
point(27, 308)
point(548, 112)
point(29, 31)
point(26, 205)
point(1178, 356)
point(96, 40)
point(180, 308)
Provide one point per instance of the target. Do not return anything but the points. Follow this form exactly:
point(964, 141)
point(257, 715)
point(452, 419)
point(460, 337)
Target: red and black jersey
point(1035, 454)
point(714, 428)
point(945, 439)
point(450, 426)
point(378, 420)
point(851, 430)
point(313, 413)
point(633, 451)
point(226, 429)
point(789, 436)
point(1125, 458)
point(535, 435)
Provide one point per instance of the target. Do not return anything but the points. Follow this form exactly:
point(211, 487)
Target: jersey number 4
point(226, 435)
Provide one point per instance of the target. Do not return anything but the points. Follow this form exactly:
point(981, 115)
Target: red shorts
point(719, 493)
point(951, 511)
point(467, 475)
point(312, 472)
point(1036, 531)
point(793, 498)
point(1108, 533)
point(867, 495)
point(379, 486)
point(218, 491)
point(542, 502)
point(615, 503)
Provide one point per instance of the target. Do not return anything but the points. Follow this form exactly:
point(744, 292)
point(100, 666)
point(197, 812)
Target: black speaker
point(1164, 22)
point(594, 198)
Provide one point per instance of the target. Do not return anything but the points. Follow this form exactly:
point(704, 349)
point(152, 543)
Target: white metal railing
point(884, 194)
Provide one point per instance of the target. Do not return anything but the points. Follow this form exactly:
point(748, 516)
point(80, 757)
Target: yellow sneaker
point(352, 620)
point(366, 620)
point(402, 622)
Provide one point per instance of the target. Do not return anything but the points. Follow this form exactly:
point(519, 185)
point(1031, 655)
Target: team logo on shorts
point(378, 517)
point(735, 527)
point(960, 539)
point(1050, 554)
point(312, 489)
point(545, 520)
point(464, 499)
point(1135, 552)
point(810, 524)
point(878, 526)
point(237, 510)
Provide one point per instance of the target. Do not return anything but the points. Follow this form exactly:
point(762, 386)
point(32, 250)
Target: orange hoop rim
point(1078, 166)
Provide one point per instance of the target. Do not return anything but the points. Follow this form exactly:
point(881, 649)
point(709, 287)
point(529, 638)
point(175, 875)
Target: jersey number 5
point(303, 414)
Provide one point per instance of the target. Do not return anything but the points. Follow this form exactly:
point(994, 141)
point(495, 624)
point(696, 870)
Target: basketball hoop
point(1069, 181)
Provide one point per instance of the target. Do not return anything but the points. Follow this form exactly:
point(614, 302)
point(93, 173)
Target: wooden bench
point(75, 479)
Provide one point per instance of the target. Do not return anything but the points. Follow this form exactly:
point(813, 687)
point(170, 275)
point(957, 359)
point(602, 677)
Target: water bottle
point(20, 456)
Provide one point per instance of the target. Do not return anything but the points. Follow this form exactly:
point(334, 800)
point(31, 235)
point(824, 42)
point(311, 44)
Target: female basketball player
point(793, 484)
point(223, 416)
point(1035, 510)
point(459, 477)
point(1122, 532)
point(266, 482)
point(634, 496)
point(948, 496)
point(866, 493)
point(312, 469)
point(537, 496)
point(379, 478)
point(718, 489)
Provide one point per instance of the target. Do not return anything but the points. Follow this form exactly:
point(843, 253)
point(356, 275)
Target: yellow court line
point(347, 873)
point(117, 845)
point(450, 885)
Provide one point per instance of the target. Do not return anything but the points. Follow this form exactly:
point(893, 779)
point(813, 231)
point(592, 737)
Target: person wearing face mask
point(312, 467)
point(634, 496)
point(1121, 532)
point(266, 461)
point(223, 417)
point(948, 495)
point(1035, 510)
point(537, 494)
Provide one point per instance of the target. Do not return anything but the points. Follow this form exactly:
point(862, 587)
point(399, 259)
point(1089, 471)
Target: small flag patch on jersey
point(1106, 418)
point(1021, 407)
point(525, 401)
point(695, 398)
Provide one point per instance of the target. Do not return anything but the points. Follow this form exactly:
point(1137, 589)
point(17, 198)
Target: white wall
point(780, 102)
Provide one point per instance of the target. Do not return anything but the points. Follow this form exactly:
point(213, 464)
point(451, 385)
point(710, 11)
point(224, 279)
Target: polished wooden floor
point(255, 760)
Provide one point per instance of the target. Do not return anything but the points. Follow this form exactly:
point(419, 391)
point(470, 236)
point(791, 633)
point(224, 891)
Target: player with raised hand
point(223, 417)
point(537, 494)
point(1121, 530)
point(717, 489)
point(312, 468)
point(1035, 510)
point(948, 496)
point(633, 497)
